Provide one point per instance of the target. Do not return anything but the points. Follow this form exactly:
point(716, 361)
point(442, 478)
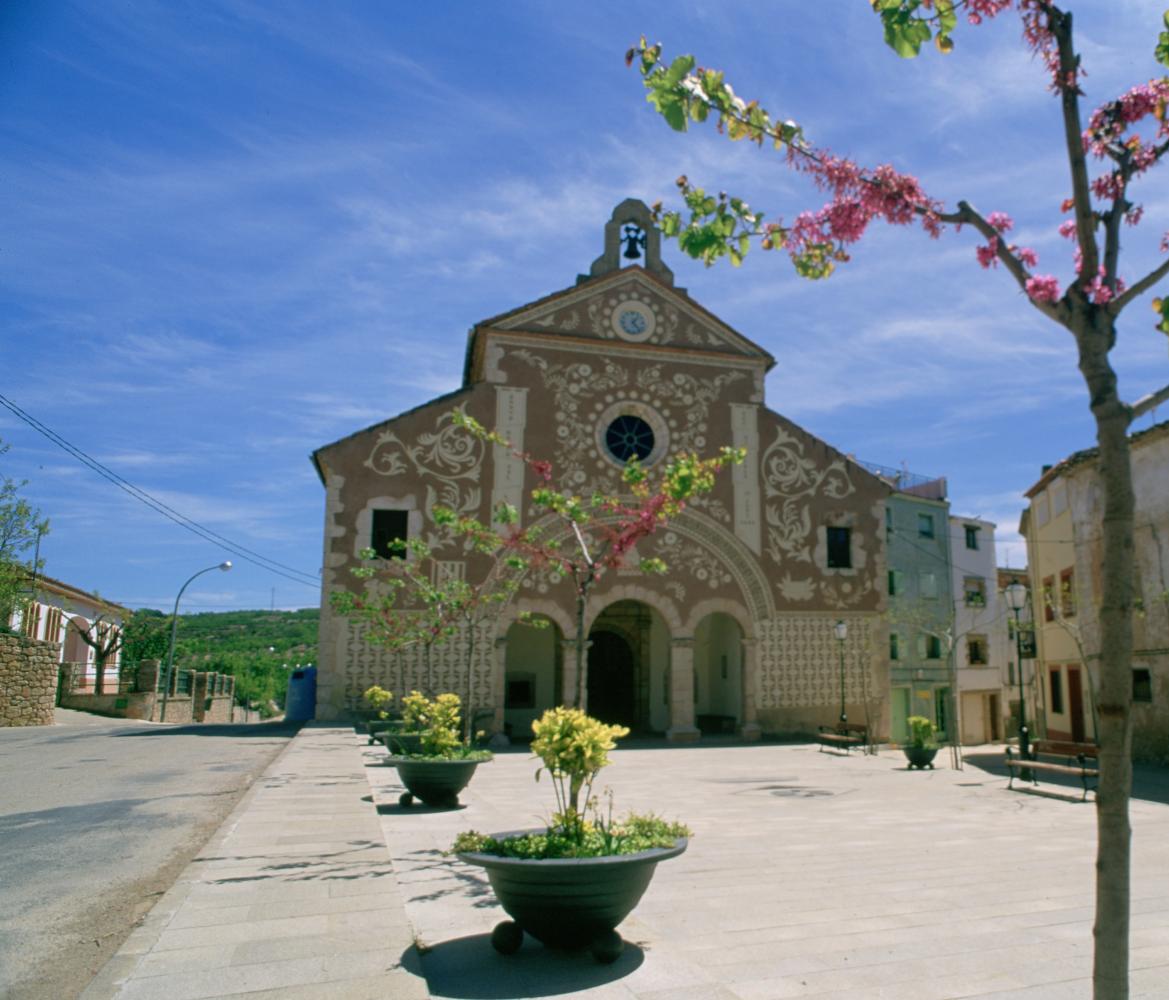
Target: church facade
point(738, 636)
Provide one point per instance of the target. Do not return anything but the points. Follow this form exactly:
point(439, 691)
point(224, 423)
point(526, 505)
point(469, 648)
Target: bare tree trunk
point(581, 599)
point(1095, 333)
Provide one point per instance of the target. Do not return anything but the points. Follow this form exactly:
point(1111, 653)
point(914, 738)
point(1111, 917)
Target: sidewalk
point(810, 875)
point(293, 898)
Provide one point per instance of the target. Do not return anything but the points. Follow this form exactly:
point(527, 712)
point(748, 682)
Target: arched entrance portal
point(532, 676)
point(627, 667)
point(718, 674)
point(612, 679)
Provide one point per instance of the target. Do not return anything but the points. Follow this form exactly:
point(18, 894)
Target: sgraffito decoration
point(583, 391)
point(447, 460)
point(799, 661)
point(410, 669)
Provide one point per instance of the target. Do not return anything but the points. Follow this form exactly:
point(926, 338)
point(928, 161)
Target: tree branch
point(1060, 24)
point(968, 214)
point(1142, 286)
point(1149, 402)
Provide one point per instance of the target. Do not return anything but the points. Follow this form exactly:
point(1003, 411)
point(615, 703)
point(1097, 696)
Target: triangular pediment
point(629, 306)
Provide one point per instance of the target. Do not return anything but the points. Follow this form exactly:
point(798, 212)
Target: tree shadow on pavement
point(468, 967)
point(231, 729)
point(1150, 782)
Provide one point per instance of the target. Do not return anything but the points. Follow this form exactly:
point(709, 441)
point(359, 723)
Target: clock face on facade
point(632, 320)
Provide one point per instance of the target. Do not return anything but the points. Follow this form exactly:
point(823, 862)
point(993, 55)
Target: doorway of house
point(1076, 705)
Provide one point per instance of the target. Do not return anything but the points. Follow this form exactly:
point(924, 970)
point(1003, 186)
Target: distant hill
point(258, 647)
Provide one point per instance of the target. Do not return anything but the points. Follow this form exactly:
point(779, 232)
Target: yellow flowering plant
point(572, 748)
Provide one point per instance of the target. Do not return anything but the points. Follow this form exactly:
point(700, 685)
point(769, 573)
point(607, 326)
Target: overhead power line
point(207, 534)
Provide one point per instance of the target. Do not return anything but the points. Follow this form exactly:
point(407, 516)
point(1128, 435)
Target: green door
point(900, 712)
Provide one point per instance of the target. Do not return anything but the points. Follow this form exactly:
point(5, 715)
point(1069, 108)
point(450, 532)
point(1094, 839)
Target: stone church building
point(738, 635)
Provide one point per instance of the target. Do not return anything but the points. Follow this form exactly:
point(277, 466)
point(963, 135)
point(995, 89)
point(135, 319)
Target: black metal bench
point(1076, 760)
point(845, 735)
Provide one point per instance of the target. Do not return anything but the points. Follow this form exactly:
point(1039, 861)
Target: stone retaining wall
point(28, 681)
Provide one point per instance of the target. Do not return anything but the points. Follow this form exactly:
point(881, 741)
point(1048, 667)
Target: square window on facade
point(1067, 593)
point(389, 532)
point(974, 590)
point(930, 647)
point(976, 650)
point(1142, 684)
point(925, 525)
point(894, 646)
point(971, 536)
point(1056, 679)
point(1049, 598)
point(839, 548)
point(894, 582)
point(520, 693)
point(888, 522)
point(928, 585)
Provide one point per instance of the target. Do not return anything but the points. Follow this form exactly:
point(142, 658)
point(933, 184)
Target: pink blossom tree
point(1106, 153)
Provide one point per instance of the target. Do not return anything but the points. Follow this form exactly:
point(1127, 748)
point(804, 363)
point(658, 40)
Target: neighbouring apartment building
point(738, 636)
point(920, 603)
point(60, 613)
point(1062, 527)
point(980, 630)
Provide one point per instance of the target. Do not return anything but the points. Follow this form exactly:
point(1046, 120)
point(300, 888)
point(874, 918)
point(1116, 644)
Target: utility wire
point(246, 554)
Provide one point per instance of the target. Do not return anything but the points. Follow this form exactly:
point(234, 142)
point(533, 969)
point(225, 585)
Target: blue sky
point(235, 232)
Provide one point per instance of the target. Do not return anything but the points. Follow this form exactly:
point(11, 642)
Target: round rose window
point(629, 437)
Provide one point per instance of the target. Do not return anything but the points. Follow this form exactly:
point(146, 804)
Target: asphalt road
point(97, 819)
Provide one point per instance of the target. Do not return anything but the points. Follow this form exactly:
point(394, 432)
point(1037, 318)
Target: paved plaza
point(810, 874)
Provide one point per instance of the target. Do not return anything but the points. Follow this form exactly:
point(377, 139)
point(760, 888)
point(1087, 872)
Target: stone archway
point(628, 666)
point(718, 674)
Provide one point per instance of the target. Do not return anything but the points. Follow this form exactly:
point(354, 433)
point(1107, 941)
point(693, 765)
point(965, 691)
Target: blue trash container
point(300, 704)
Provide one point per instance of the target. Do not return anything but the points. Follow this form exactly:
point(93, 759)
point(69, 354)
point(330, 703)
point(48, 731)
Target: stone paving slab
point(294, 897)
point(810, 875)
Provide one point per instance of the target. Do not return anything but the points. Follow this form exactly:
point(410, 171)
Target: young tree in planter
point(1130, 135)
point(602, 530)
point(405, 604)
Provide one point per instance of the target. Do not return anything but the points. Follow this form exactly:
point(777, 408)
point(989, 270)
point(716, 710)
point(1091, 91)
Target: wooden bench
point(846, 735)
point(1055, 757)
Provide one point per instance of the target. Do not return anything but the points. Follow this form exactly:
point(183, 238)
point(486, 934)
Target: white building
point(59, 613)
point(980, 630)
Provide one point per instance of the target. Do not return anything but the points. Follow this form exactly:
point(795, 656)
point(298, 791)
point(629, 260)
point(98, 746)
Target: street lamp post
point(840, 629)
point(174, 624)
point(1016, 595)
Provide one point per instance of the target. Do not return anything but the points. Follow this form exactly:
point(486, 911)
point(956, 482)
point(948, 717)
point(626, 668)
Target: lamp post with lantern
point(840, 630)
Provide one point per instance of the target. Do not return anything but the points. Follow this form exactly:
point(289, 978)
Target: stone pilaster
point(569, 681)
point(682, 728)
point(750, 729)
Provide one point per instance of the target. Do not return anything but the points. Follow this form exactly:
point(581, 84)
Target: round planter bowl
point(398, 742)
point(568, 902)
point(436, 781)
point(920, 757)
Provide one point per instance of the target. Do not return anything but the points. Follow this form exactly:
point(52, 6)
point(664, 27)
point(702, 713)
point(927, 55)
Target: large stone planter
point(920, 757)
point(568, 902)
point(437, 781)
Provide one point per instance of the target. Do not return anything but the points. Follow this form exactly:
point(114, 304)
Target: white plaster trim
point(635, 592)
point(720, 605)
point(363, 526)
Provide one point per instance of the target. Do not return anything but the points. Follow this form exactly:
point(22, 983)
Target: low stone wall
point(127, 705)
point(28, 681)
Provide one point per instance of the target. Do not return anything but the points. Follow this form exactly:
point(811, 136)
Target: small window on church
point(389, 533)
point(629, 437)
point(839, 548)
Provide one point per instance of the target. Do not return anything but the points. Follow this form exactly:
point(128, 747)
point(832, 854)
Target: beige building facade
point(738, 635)
point(1062, 527)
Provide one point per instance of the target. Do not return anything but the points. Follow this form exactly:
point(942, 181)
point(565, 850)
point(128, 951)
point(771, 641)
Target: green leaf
point(679, 69)
point(947, 18)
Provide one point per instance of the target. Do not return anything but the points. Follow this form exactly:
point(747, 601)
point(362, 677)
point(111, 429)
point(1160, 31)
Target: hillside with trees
point(259, 648)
